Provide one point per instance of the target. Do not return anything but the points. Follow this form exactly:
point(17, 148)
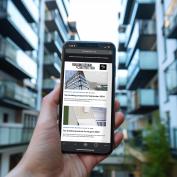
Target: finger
point(90, 161)
point(116, 105)
point(119, 119)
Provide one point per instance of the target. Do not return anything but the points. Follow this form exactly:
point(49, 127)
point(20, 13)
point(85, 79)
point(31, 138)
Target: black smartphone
point(87, 97)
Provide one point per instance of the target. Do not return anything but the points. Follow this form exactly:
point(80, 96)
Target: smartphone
point(87, 97)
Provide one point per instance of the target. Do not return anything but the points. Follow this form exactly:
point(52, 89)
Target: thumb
point(49, 108)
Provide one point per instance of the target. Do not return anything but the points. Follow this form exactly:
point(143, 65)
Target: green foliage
point(158, 152)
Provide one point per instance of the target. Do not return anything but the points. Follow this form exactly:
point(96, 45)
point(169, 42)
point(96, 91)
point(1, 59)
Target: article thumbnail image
point(81, 115)
point(86, 80)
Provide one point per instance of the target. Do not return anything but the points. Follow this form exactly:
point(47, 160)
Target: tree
point(158, 152)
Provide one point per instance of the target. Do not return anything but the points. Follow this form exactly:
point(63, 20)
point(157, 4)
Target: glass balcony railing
point(53, 42)
point(15, 61)
point(171, 23)
point(52, 65)
point(143, 37)
point(122, 98)
point(122, 41)
point(29, 9)
point(15, 95)
point(16, 26)
point(142, 68)
point(12, 134)
point(142, 101)
point(122, 60)
point(54, 22)
point(49, 84)
point(171, 78)
point(126, 11)
point(122, 79)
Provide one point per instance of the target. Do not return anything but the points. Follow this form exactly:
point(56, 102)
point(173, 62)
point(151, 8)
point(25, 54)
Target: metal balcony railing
point(15, 61)
point(13, 134)
point(15, 95)
point(142, 101)
point(16, 26)
point(171, 78)
point(143, 37)
point(142, 68)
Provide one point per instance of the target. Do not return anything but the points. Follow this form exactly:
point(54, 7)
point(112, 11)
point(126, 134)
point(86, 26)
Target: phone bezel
point(96, 45)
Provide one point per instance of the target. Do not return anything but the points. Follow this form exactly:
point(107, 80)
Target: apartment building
point(148, 49)
point(31, 37)
point(137, 53)
point(167, 56)
point(58, 30)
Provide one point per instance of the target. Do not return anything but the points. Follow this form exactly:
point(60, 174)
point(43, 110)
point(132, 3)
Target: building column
point(5, 162)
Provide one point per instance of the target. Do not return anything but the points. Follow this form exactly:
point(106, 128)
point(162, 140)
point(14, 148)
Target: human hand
point(44, 157)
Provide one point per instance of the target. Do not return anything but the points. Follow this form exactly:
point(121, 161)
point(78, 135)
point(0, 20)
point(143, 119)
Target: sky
point(97, 20)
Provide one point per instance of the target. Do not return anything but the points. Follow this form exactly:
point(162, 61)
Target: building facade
point(31, 37)
point(147, 50)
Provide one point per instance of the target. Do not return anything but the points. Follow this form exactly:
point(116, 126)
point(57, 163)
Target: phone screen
point(86, 121)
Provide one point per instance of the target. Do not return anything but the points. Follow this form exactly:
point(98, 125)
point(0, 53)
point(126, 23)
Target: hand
point(44, 157)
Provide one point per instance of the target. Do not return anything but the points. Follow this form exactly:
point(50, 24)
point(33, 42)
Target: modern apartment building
point(57, 31)
point(31, 37)
point(137, 53)
point(148, 49)
point(167, 57)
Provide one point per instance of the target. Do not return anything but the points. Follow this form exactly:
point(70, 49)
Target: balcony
point(171, 24)
point(52, 65)
point(14, 134)
point(53, 43)
point(171, 78)
point(15, 96)
point(49, 84)
point(139, 9)
point(122, 98)
point(58, 5)
point(121, 79)
point(142, 101)
point(143, 37)
point(15, 62)
point(126, 11)
point(16, 27)
point(29, 10)
point(122, 41)
point(54, 22)
point(121, 60)
point(142, 69)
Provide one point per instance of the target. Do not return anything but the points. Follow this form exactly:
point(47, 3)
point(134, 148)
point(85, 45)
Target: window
point(5, 118)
